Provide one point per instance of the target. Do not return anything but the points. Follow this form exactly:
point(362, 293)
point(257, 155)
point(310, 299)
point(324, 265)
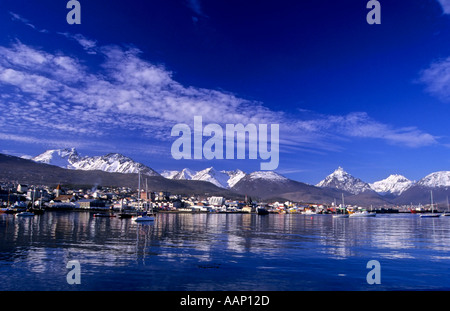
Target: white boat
point(363, 214)
point(433, 214)
point(340, 216)
point(25, 214)
point(345, 215)
point(447, 213)
point(145, 218)
point(309, 212)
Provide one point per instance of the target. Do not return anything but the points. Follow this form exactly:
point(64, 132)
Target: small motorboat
point(144, 218)
point(125, 215)
point(429, 215)
point(25, 214)
point(363, 214)
point(340, 216)
point(104, 215)
point(262, 211)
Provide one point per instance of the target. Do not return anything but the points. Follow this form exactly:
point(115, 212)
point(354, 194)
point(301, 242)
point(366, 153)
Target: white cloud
point(195, 6)
point(55, 94)
point(90, 46)
point(437, 79)
point(17, 17)
point(445, 4)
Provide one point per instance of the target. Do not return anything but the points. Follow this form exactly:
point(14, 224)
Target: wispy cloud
point(196, 7)
point(130, 98)
point(445, 4)
point(17, 17)
point(437, 79)
point(88, 45)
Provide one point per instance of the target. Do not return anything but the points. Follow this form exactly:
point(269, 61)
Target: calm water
point(224, 252)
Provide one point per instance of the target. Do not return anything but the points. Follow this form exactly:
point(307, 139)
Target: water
point(224, 252)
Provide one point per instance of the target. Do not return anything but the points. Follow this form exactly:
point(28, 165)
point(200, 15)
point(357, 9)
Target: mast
point(32, 204)
point(139, 191)
point(146, 195)
point(432, 207)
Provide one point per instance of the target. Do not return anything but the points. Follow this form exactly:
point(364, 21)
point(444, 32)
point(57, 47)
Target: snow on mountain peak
point(342, 180)
point(268, 175)
point(394, 184)
point(436, 179)
point(59, 157)
point(112, 162)
point(222, 179)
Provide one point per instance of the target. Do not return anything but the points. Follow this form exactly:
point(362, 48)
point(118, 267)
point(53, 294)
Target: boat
point(144, 217)
point(262, 211)
point(432, 214)
point(104, 215)
point(25, 214)
point(309, 212)
point(344, 215)
point(447, 213)
point(37, 210)
point(125, 215)
point(362, 214)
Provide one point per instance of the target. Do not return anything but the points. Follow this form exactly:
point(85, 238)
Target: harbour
point(213, 251)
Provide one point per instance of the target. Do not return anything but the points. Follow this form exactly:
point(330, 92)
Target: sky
point(372, 98)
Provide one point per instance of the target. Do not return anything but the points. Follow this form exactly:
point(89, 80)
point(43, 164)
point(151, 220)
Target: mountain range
point(112, 162)
point(395, 189)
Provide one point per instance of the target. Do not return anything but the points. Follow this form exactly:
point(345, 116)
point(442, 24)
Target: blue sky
point(373, 99)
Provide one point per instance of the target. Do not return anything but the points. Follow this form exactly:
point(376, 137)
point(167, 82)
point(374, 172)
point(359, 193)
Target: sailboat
point(447, 213)
point(123, 213)
point(433, 214)
point(144, 217)
point(344, 215)
point(28, 213)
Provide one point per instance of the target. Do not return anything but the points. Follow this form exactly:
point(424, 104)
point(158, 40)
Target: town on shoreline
point(16, 197)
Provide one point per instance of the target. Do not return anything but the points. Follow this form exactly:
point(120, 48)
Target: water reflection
point(180, 248)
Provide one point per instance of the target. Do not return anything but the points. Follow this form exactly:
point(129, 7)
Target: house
point(22, 188)
point(216, 201)
point(65, 198)
point(91, 204)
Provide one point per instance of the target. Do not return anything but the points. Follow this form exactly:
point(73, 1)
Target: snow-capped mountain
point(112, 162)
point(394, 184)
point(222, 179)
point(267, 175)
point(435, 180)
point(59, 157)
point(342, 180)
point(235, 177)
point(185, 174)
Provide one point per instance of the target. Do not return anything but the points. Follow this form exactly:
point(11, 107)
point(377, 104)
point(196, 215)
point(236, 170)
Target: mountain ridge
point(112, 162)
point(395, 189)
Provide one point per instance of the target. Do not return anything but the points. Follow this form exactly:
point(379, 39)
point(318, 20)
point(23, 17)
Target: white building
point(216, 201)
